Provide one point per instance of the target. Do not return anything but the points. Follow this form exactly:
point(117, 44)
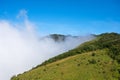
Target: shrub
point(78, 64)
point(57, 64)
point(93, 61)
point(44, 69)
point(93, 54)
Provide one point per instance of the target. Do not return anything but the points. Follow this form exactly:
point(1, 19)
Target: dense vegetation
point(100, 61)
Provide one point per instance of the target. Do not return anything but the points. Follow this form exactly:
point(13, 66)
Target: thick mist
point(21, 48)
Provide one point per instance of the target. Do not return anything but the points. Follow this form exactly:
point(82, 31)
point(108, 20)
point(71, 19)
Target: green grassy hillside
point(98, 59)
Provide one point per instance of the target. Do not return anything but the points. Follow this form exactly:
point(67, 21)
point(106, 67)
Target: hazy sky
point(67, 16)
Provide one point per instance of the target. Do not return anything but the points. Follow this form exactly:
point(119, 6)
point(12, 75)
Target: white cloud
point(22, 49)
point(22, 13)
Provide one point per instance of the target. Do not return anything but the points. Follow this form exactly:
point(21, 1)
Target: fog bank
point(21, 48)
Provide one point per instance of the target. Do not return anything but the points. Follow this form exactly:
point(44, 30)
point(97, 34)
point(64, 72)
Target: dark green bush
point(93, 54)
point(92, 61)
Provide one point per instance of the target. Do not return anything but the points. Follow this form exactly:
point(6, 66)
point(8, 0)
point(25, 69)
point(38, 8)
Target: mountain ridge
point(103, 50)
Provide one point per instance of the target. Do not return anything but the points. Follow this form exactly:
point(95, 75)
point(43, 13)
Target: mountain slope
point(94, 60)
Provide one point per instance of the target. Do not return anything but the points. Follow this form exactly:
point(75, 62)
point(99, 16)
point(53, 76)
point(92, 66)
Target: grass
point(76, 67)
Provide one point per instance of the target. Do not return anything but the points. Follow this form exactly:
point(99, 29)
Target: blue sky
point(67, 16)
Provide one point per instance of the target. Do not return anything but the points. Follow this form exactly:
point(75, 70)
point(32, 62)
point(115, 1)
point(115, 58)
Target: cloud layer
point(21, 48)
